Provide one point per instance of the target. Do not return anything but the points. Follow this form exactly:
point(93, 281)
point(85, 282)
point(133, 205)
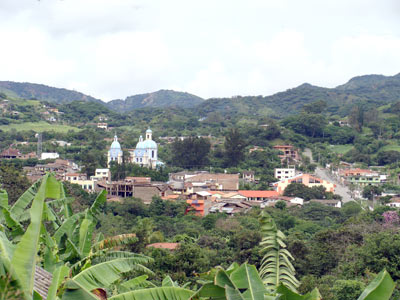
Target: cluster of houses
point(205, 192)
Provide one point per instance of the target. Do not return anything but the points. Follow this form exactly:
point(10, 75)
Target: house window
point(152, 154)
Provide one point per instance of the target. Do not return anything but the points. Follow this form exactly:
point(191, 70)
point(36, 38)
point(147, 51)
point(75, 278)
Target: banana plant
point(276, 266)
point(19, 260)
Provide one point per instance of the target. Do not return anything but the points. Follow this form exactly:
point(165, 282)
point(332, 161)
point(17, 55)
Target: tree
point(234, 147)
point(315, 107)
point(13, 182)
point(191, 152)
point(280, 204)
point(372, 190)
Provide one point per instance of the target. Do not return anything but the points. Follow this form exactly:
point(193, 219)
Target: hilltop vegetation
point(372, 90)
point(162, 98)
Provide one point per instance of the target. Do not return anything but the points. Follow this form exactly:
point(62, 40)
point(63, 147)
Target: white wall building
point(284, 173)
point(49, 155)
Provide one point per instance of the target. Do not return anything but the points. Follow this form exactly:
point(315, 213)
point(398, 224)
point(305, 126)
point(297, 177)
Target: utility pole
point(39, 145)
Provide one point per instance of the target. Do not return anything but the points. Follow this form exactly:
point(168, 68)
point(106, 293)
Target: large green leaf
point(211, 291)
point(159, 293)
point(85, 237)
point(15, 227)
point(58, 277)
point(276, 266)
point(287, 294)
point(67, 227)
point(114, 241)
point(246, 278)
point(105, 274)
point(24, 258)
point(98, 202)
point(74, 291)
point(380, 288)
point(135, 283)
point(3, 199)
point(25, 199)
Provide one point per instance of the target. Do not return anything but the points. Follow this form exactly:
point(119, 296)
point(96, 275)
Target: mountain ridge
point(378, 89)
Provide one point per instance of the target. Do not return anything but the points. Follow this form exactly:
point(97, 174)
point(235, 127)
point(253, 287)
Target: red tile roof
point(10, 152)
point(258, 194)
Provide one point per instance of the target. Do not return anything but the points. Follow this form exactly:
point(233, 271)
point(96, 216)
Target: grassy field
point(341, 149)
point(38, 126)
point(389, 147)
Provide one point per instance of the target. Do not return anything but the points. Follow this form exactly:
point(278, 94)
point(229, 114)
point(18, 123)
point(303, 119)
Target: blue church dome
point(148, 144)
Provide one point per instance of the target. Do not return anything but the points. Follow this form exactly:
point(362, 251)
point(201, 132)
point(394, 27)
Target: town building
point(115, 153)
point(146, 152)
point(102, 126)
point(248, 176)
point(284, 173)
point(49, 155)
point(362, 177)
point(129, 188)
point(251, 195)
point(306, 179)
point(189, 182)
point(289, 153)
point(332, 203)
point(200, 207)
point(10, 153)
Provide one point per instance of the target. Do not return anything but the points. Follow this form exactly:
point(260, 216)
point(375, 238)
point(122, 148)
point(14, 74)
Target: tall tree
point(191, 152)
point(234, 147)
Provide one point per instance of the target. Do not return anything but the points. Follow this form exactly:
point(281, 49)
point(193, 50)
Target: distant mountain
point(374, 90)
point(43, 92)
point(369, 89)
point(162, 98)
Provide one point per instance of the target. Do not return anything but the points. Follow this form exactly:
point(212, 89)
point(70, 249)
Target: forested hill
point(162, 98)
point(369, 89)
point(42, 92)
point(373, 90)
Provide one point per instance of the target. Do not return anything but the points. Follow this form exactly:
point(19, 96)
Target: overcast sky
point(115, 48)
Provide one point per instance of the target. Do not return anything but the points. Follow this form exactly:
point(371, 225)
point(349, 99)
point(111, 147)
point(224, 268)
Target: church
point(115, 152)
point(145, 154)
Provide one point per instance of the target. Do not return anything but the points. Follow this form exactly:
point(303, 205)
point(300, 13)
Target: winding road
point(325, 174)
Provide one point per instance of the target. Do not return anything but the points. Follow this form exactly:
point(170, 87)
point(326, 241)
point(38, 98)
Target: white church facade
point(145, 154)
point(115, 152)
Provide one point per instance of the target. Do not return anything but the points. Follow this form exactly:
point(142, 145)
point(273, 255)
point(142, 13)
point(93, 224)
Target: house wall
point(307, 180)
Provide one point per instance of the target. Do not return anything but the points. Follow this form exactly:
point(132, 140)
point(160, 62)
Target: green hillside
point(42, 92)
point(162, 98)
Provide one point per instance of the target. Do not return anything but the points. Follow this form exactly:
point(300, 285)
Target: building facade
point(146, 152)
point(115, 153)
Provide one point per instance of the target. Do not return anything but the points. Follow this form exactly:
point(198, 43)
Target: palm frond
point(276, 266)
point(115, 241)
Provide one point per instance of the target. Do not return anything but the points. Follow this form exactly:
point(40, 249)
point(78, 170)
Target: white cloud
point(112, 49)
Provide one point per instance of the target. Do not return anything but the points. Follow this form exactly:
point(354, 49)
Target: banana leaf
point(25, 199)
point(98, 202)
point(114, 241)
point(105, 274)
point(24, 258)
point(74, 291)
point(167, 281)
point(67, 227)
point(15, 227)
point(58, 278)
point(287, 294)
point(246, 278)
point(158, 293)
point(380, 288)
point(85, 237)
point(135, 283)
point(3, 199)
